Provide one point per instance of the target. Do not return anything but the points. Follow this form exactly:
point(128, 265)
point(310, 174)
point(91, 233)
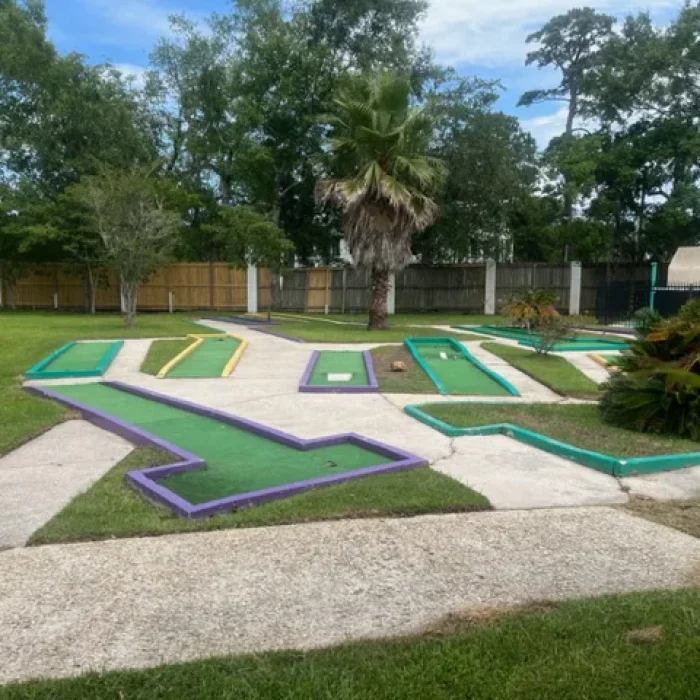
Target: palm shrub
point(383, 178)
point(530, 308)
point(658, 387)
point(644, 321)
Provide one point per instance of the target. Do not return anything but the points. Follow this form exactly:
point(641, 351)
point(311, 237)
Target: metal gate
point(617, 302)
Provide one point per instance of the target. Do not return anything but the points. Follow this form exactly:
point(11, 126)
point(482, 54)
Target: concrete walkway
point(264, 387)
point(136, 603)
point(40, 478)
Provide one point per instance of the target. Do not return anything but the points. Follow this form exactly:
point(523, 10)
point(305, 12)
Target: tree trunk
point(568, 134)
point(130, 303)
point(380, 292)
point(91, 288)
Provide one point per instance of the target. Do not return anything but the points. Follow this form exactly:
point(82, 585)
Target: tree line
point(221, 151)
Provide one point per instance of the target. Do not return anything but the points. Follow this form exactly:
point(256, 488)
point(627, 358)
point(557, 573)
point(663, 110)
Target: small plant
point(530, 308)
point(644, 321)
point(551, 330)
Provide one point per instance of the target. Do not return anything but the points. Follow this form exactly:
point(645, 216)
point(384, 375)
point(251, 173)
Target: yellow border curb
point(198, 340)
point(180, 356)
point(235, 358)
point(602, 360)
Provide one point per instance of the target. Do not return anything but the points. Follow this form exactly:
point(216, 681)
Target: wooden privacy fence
point(216, 286)
point(180, 286)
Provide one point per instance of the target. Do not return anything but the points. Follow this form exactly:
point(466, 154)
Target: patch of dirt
point(412, 381)
point(472, 618)
point(680, 515)
point(648, 635)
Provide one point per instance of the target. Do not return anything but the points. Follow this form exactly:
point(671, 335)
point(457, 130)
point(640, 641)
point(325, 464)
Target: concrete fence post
point(490, 289)
point(391, 299)
point(575, 289)
point(252, 291)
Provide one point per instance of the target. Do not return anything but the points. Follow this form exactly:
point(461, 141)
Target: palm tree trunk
point(380, 293)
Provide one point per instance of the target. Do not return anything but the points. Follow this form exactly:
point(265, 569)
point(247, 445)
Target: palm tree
point(384, 178)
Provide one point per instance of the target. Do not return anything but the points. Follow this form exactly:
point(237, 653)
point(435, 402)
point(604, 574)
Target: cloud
point(545, 127)
point(136, 73)
point(492, 32)
point(148, 17)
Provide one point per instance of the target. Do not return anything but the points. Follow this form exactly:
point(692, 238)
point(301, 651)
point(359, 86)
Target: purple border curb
point(277, 334)
point(145, 479)
point(370, 387)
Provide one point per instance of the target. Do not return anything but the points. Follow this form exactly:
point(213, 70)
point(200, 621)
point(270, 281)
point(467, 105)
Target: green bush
point(658, 387)
point(550, 331)
point(529, 308)
point(648, 406)
point(644, 321)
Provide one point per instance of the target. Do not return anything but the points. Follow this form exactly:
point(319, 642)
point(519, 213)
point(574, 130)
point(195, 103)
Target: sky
point(478, 37)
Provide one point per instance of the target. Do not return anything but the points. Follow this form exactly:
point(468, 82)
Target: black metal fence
point(669, 299)
point(618, 301)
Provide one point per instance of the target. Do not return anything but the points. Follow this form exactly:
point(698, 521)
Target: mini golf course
point(571, 344)
point(224, 461)
point(454, 370)
point(608, 464)
point(208, 356)
point(76, 359)
point(339, 371)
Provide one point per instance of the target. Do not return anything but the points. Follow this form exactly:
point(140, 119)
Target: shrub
point(530, 308)
point(658, 389)
point(644, 321)
point(550, 331)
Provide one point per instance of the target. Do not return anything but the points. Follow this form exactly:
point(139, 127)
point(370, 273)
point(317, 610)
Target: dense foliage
point(384, 179)
point(229, 113)
point(658, 387)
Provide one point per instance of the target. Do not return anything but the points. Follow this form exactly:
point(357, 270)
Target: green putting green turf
point(207, 360)
point(457, 374)
point(339, 362)
point(574, 343)
point(85, 359)
point(80, 356)
point(237, 460)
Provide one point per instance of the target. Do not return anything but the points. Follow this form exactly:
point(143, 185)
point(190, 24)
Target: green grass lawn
point(162, 351)
point(320, 331)
point(423, 319)
point(413, 381)
point(553, 371)
point(624, 647)
point(110, 508)
point(578, 425)
point(27, 337)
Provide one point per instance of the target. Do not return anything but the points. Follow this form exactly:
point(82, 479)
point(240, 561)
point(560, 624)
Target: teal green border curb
point(37, 371)
point(411, 343)
point(582, 346)
point(614, 466)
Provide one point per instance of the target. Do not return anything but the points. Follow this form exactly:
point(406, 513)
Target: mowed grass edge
point(27, 337)
point(555, 372)
point(110, 508)
point(578, 425)
point(639, 645)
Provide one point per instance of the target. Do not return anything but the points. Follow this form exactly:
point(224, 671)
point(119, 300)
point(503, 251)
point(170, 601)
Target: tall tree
point(136, 229)
point(384, 180)
point(492, 163)
point(569, 43)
